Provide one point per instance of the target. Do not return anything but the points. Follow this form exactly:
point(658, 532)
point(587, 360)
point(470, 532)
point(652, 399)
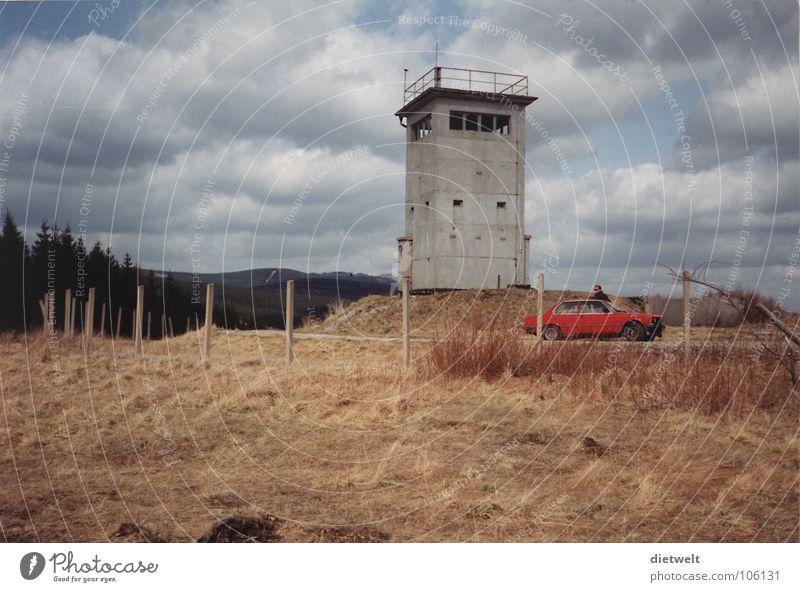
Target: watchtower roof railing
point(471, 80)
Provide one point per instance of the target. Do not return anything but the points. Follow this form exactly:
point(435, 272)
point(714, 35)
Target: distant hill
point(270, 277)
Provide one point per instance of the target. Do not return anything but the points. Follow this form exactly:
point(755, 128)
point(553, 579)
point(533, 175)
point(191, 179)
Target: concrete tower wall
point(467, 244)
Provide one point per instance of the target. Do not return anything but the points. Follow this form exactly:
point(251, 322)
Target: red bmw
point(590, 318)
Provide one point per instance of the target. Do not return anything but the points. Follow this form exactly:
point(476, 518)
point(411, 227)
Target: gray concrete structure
point(465, 179)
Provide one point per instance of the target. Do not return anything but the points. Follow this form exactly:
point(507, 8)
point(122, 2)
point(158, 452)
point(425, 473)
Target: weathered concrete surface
point(481, 242)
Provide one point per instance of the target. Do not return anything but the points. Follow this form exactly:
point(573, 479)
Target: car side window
point(567, 308)
point(594, 308)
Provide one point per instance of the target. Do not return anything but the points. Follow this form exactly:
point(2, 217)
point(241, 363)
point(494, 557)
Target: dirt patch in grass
point(129, 532)
point(244, 529)
point(347, 535)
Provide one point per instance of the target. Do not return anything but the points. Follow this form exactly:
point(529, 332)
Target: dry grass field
point(344, 445)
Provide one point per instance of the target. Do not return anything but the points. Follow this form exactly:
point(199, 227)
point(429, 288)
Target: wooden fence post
point(89, 321)
point(171, 332)
point(72, 312)
point(103, 320)
point(405, 262)
point(149, 322)
point(539, 304)
point(138, 346)
point(45, 304)
point(406, 296)
point(67, 312)
point(687, 318)
point(52, 315)
point(289, 321)
point(209, 321)
point(119, 320)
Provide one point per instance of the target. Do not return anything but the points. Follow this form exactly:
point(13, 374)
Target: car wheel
point(633, 332)
point(551, 333)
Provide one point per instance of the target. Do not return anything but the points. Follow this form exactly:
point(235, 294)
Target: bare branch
point(727, 297)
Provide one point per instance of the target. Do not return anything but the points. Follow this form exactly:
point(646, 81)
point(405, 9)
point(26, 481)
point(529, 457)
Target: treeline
point(711, 310)
point(57, 261)
point(263, 306)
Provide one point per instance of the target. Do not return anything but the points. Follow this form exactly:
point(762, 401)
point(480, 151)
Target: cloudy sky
point(232, 135)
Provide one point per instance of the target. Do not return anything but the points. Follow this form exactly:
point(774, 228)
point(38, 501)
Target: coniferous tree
point(98, 270)
point(41, 278)
point(152, 304)
point(123, 292)
point(13, 255)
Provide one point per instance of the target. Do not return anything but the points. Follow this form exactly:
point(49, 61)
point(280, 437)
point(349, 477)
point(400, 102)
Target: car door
point(566, 317)
point(594, 316)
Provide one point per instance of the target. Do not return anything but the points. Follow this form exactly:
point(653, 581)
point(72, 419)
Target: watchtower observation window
point(484, 122)
point(422, 128)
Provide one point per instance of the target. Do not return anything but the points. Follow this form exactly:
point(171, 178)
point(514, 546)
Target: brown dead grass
point(437, 314)
point(717, 380)
point(482, 349)
point(345, 445)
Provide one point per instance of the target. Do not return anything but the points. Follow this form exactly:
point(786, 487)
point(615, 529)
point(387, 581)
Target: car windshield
point(615, 308)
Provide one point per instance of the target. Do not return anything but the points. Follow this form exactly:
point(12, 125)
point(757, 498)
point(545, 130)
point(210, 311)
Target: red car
point(584, 318)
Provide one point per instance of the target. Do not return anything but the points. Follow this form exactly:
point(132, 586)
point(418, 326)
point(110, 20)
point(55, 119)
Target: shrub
point(748, 301)
point(717, 380)
point(483, 349)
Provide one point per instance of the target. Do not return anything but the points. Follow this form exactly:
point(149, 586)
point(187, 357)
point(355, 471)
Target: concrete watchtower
point(465, 179)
